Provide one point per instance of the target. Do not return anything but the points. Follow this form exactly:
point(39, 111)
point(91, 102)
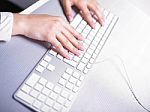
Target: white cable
point(125, 76)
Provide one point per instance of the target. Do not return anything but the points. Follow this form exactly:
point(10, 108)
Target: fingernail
point(77, 52)
point(103, 22)
point(67, 55)
point(81, 37)
point(70, 18)
point(82, 47)
point(93, 25)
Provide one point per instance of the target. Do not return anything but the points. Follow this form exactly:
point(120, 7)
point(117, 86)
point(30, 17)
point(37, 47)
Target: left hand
point(85, 7)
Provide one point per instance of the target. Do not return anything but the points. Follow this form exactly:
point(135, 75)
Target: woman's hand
point(51, 29)
point(86, 7)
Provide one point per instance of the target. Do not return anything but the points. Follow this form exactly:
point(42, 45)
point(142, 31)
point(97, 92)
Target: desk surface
point(11, 78)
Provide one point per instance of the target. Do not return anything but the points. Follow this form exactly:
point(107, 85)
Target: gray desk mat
point(17, 58)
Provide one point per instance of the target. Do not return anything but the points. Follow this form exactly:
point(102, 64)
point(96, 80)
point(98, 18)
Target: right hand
point(52, 29)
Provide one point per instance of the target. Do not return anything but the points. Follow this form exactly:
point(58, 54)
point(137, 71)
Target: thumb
point(68, 10)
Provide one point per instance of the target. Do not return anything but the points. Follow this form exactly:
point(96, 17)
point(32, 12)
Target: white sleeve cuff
point(6, 25)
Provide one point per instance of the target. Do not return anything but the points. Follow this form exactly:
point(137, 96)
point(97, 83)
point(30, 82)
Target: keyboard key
point(41, 97)
point(82, 78)
point(47, 58)
point(69, 86)
point(38, 87)
point(79, 30)
point(88, 27)
point(60, 57)
point(45, 108)
point(70, 98)
point(81, 66)
point(97, 26)
point(100, 46)
point(64, 109)
point(105, 37)
point(53, 110)
point(26, 88)
point(76, 75)
point(78, 83)
point(42, 81)
point(82, 54)
point(67, 104)
point(57, 107)
point(37, 104)
point(87, 55)
point(87, 41)
point(76, 59)
point(84, 34)
point(84, 60)
point(64, 94)
point(92, 47)
point(49, 102)
point(57, 89)
point(83, 22)
point(90, 38)
point(75, 89)
point(93, 33)
point(66, 76)
point(73, 80)
point(52, 52)
point(51, 67)
point(33, 79)
point(25, 97)
point(34, 93)
point(96, 52)
point(61, 100)
point(86, 70)
point(76, 21)
point(50, 85)
point(62, 81)
point(94, 56)
point(44, 63)
point(46, 91)
point(69, 71)
point(91, 60)
point(70, 62)
point(105, 13)
point(40, 69)
point(89, 65)
point(95, 43)
point(53, 95)
point(85, 46)
point(114, 20)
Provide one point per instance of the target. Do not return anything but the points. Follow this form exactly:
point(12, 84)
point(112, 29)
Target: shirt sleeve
point(6, 25)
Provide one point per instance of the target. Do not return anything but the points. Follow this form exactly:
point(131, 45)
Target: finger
point(97, 13)
point(67, 44)
point(74, 32)
point(68, 10)
point(59, 47)
point(73, 40)
point(86, 14)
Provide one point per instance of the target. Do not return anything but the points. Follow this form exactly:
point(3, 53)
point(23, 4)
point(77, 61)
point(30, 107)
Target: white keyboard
point(54, 83)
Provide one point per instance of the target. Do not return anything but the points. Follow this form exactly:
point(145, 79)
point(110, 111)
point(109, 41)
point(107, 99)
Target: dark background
point(6, 6)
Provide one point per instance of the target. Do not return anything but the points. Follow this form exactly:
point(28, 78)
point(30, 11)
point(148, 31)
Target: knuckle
point(60, 19)
point(58, 46)
point(67, 43)
point(87, 13)
point(74, 49)
point(57, 23)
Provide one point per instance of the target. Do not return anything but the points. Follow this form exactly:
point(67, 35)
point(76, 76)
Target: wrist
point(19, 24)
